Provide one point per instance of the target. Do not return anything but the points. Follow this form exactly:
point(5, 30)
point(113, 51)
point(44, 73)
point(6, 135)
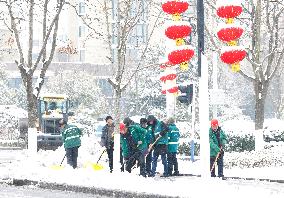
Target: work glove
point(221, 151)
point(158, 136)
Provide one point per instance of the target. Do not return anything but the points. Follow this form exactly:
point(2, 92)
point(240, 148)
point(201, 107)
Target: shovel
point(151, 146)
point(214, 164)
point(58, 167)
point(96, 166)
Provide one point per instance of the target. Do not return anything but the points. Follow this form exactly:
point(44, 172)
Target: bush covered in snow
point(184, 148)
point(240, 143)
point(274, 156)
point(9, 120)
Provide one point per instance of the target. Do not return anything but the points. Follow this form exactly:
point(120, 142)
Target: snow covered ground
point(38, 167)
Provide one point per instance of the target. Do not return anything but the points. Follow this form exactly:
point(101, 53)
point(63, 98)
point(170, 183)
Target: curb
point(11, 148)
point(83, 189)
point(281, 181)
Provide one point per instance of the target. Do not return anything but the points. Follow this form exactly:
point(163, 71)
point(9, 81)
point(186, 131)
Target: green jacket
point(139, 134)
point(173, 135)
point(124, 146)
point(161, 129)
point(214, 146)
point(149, 135)
point(71, 135)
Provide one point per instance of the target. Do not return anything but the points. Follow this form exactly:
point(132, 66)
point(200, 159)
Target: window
point(35, 56)
point(35, 43)
point(114, 55)
point(138, 35)
point(81, 31)
point(82, 8)
point(62, 57)
point(82, 55)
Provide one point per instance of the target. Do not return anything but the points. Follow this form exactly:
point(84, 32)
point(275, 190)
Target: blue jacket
point(107, 136)
point(173, 138)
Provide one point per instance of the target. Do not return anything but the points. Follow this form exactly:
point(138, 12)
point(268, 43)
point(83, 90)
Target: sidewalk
point(102, 182)
point(27, 170)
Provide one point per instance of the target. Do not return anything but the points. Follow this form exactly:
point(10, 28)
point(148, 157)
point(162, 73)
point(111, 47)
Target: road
point(7, 191)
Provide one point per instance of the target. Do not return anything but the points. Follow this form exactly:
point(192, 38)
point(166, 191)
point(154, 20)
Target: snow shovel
point(58, 167)
point(151, 146)
point(218, 154)
point(96, 166)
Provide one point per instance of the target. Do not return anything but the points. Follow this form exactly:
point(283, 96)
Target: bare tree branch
point(59, 9)
point(31, 24)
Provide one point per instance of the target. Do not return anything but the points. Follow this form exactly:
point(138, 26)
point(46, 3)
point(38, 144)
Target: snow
point(230, 48)
point(37, 168)
point(172, 48)
point(228, 26)
point(176, 23)
point(265, 164)
point(221, 3)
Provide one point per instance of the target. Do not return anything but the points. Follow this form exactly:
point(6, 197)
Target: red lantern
point(229, 11)
point(163, 78)
point(166, 65)
point(230, 33)
point(175, 8)
point(173, 90)
point(171, 76)
point(178, 31)
point(231, 55)
point(181, 55)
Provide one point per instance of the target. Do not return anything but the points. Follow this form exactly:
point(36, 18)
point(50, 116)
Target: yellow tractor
point(51, 108)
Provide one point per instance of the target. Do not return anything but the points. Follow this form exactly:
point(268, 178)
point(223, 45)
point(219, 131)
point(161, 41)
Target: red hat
point(214, 122)
point(121, 127)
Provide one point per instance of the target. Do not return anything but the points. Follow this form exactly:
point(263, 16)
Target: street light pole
point(203, 94)
point(200, 32)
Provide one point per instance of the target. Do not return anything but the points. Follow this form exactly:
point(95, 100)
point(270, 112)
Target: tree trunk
point(259, 113)
point(260, 96)
point(32, 103)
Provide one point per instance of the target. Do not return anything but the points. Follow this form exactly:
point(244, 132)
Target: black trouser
point(220, 166)
point(149, 162)
point(131, 161)
point(172, 162)
point(72, 155)
point(110, 158)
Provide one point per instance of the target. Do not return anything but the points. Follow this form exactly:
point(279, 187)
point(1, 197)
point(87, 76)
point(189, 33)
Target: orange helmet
point(214, 123)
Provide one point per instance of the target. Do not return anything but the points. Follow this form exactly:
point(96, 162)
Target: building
point(78, 45)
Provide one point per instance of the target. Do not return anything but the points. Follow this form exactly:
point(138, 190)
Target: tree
point(118, 21)
point(32, 14)
point(81, 87)
point(265, 50)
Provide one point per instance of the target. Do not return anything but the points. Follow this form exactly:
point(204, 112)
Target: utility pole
point(203, 94)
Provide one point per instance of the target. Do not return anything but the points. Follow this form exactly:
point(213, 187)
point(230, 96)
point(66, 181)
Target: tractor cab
point(52, 108)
